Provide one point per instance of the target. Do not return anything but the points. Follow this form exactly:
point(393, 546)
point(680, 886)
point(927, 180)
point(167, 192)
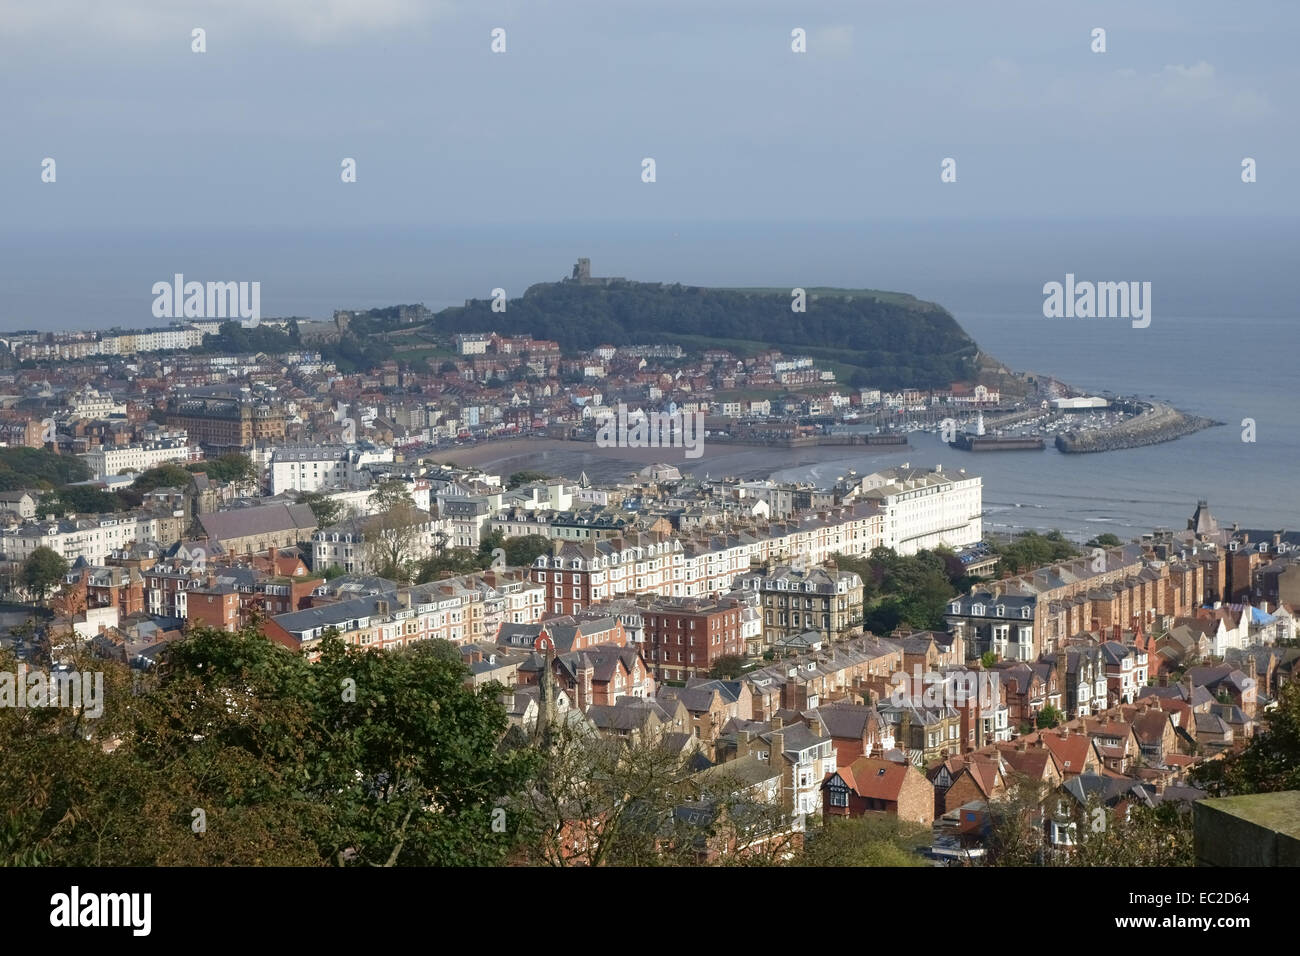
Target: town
point(772, 637)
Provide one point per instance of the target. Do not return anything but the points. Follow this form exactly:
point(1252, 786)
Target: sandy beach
point(569, 458)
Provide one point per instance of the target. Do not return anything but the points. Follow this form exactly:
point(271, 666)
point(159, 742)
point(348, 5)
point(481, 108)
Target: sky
point(151, 138)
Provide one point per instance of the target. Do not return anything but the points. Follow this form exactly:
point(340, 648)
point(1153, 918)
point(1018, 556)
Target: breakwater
point(1156, 423)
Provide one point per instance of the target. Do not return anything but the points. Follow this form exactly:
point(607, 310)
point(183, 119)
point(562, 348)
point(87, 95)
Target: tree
point(489, 543)
point(233, 468)
point(1159, 836)
point(80, 499)
point(1270, 761)
point(728, 667)
point(525, 477)
point(865, 841)
point(43, 568)
point(1017, 822)
point(1049, 717)
point(522, 552)
point(632, 801)
point(988, 659)
point(327, 511)
point(1032, 550)
point(454, 561)
point(237, 752)
point(163, 476)
point(1106, 540)
point(68, 604)
point(393, 532)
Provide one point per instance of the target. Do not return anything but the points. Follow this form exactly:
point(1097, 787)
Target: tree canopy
point(239, 752)
point(41, 570)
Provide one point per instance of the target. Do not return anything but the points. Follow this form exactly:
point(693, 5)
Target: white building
point(322, 467)
point(110, 460)
point(91, 403)
point(926, 509)
point(345, 544)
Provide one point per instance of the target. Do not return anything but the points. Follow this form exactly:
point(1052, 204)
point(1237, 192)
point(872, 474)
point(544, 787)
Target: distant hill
point(885, 339)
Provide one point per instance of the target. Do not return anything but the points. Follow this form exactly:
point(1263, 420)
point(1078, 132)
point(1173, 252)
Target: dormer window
point(977, 609)
point(1024, 611)
point(1002, 610)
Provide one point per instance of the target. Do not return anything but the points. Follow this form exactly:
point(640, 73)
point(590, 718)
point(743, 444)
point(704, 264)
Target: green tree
point(488, 543)
point(1159, 836)
point(1031, 550)
point(525, 477)
point(1269, 762)
point(232, 467)
point(1106, 540)
point(522, 552)
point(39, 468)
point(327, 511)
point(728, 667)
point(237, 752)
point(988, 659)
point(41, 570)
point(1049, 717)
point(163, 476)
point(453, 561)
point(865, 841)
point(80, 499)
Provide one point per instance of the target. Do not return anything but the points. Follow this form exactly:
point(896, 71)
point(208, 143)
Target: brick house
point(961, 780)
point(855, 730)
point(874, 786)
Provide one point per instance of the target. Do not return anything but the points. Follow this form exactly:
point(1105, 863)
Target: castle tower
point(582, 270)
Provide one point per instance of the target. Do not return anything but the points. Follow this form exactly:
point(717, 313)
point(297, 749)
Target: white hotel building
point(110, 460)
point(926, 509)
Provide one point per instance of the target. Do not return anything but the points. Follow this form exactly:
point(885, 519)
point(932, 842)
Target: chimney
point(744, 740)
point(777, 749)
point(777, 722)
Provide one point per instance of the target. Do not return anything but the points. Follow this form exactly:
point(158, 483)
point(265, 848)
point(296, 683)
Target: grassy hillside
point(890, 340)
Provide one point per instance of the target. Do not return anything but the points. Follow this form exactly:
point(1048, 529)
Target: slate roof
point(262, 519)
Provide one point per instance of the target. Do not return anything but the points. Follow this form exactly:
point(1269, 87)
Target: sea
point(1221, 342)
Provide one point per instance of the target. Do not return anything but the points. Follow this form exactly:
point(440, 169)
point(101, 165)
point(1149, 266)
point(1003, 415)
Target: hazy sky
point(250, 134)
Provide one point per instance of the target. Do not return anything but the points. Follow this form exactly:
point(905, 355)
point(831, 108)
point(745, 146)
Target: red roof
point(875, 779)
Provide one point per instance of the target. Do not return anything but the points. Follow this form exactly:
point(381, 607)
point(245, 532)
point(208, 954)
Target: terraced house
point(1020, 618)
point(452, 609)
point(796, 601)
